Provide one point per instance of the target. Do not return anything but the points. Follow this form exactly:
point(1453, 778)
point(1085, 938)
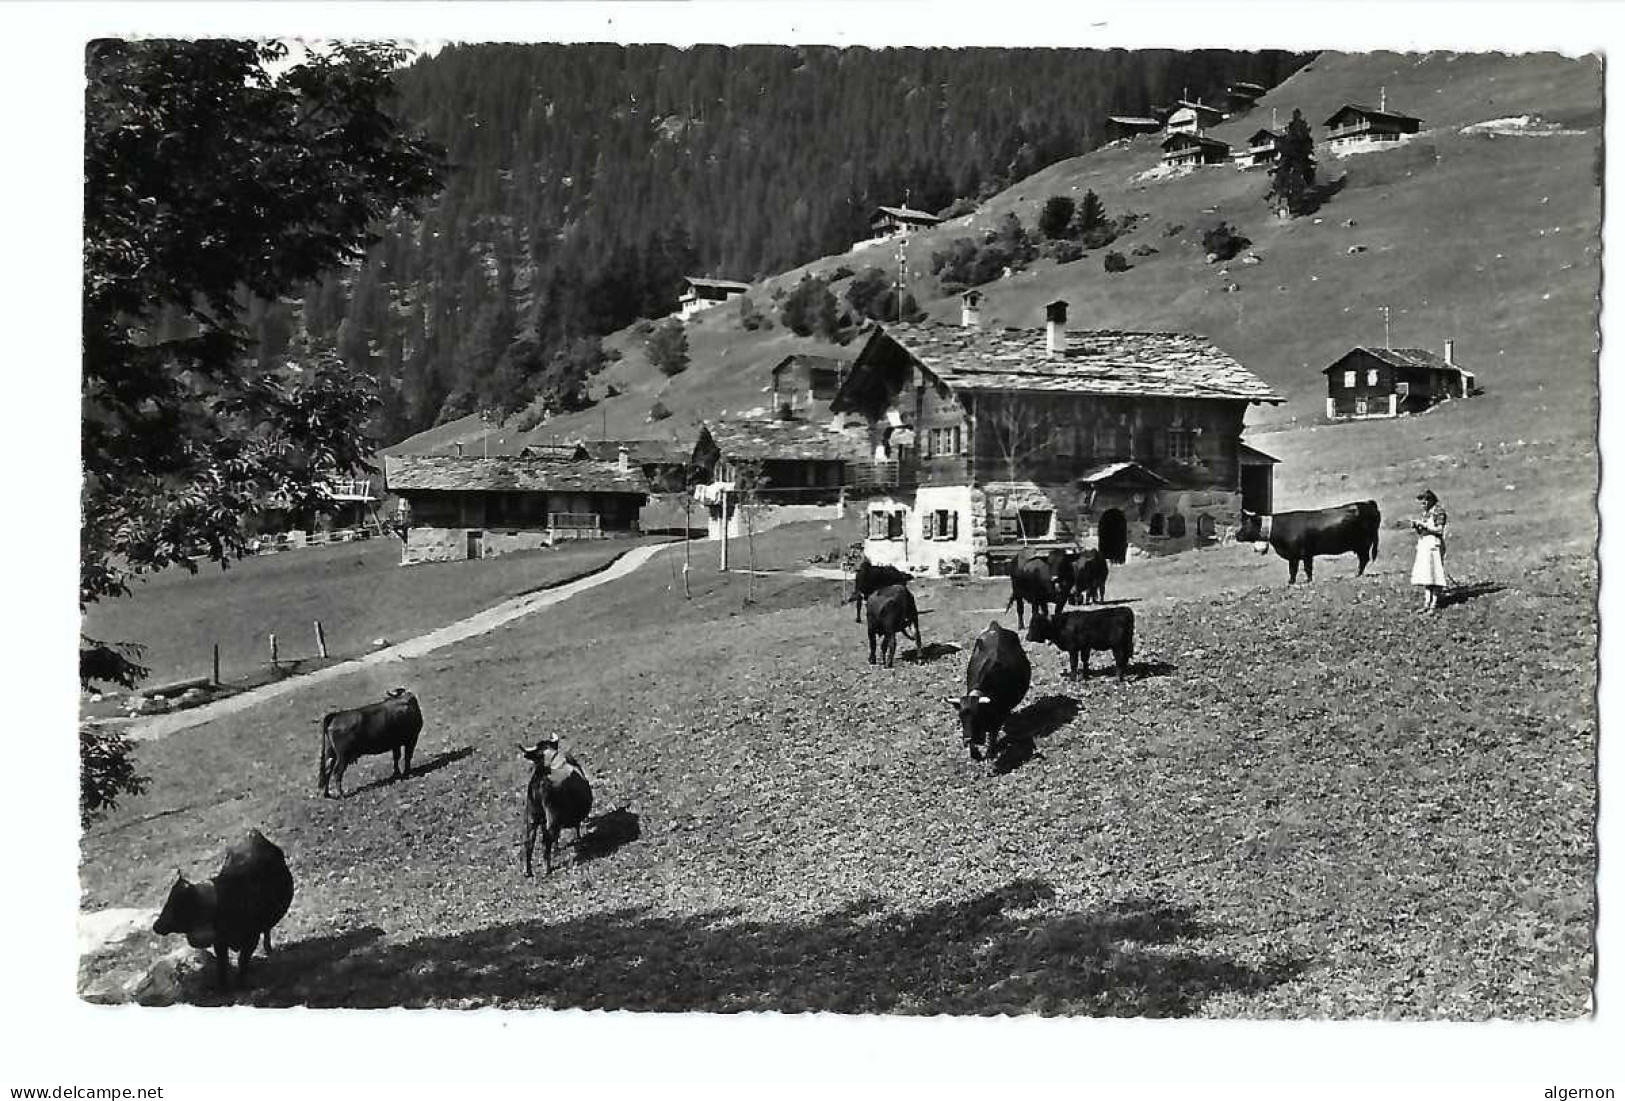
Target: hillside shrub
point(1091, 215)
point(1143, 250)
point(1221, 242)
point(959, 208)
point(1065, 252)
point(658, 411)
point(841, 272)
point(1116, 262)
point(966, 263)
point(667, 348)
point(1173, 230)
point(750, 318)
point(810, 309)
point(1055, 220)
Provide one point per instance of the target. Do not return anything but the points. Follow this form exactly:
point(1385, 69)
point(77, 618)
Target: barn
point(802, 469)
point(800, 380)
point(1390, 382)
point(996, 440)
point(460, 507)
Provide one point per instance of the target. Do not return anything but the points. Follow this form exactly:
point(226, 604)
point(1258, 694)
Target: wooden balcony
point(349, 489)
point(574, 525)
point(884, 474)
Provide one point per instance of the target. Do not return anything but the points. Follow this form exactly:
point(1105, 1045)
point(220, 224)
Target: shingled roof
point(642, 451)
point(1370, 113)
point(1405, 358)
point(905, 213)
point(1105, 362)
point(776, 439)
point(507, 474)
point(697, 282)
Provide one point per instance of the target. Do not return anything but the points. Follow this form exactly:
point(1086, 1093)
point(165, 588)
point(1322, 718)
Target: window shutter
point(958, 448)
point(928, 525)
point(876, 525)
point(894, 525)
point(953, 525)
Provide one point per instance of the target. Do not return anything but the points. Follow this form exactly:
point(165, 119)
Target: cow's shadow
point(1018, 743)
point(932, 651)
point(419, 768)
point(1470, 590)
point(1139, 670)
point(605, 833)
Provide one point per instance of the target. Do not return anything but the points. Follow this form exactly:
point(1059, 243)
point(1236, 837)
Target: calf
point(1040, 580)
point(996, 680)
point(558, 797)
point(892, 611)
point(1300, 536)
point(870, 579)
point(236, 909)
point(389, 726)
point(1077, 633)
point(1090, 587)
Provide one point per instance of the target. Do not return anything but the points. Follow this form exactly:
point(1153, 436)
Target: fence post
point(217, 663)
point(273, 649)
point(321, 640)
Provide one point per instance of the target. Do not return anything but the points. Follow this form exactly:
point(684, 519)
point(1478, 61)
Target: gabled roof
point(1251, 456)
point(506, 474)
point(1412, 358)
point(1265, 132)
point(779, 439)
point(1175, 141)
point(1370, 113)
point(558, 452)
point(1133, 120)
point(1248, 85)
point(715, 284)
point(1185, 104)
point(803, 359)
point(1103, 362)
point(642, 451)
point(907, 214)
point(1128, 473)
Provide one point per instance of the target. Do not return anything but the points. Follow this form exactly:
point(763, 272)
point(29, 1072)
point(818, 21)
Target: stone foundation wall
point(766, 517)
point(425, 544)
point(914, 551)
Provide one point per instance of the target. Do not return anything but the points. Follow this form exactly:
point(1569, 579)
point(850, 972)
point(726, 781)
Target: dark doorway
point(1257, 489)
point(475, 541)
point(1113, 535)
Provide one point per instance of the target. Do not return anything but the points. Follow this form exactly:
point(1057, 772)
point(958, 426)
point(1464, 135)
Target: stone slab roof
point(507, 474)
point(776, 439)
point(642, 451)
point(698, 282)
point(1403, 358)
point(1105, 362)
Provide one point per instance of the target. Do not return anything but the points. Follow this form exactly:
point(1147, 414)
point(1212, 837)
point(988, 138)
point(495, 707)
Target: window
point(942, 441)
point(1371, 377)
point(1181, 445)
point(1176, 526)
point(1156, 527)
point(1348, 380)
point(942, 523)
point(886, 523)
point(1035, 522)
point(1359, 407)
point(1205, 528)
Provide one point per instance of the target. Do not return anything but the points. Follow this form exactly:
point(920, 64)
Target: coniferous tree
point(1292, 180)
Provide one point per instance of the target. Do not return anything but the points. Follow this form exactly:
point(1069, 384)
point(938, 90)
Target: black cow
point(870, 579)
point(1041, 579)
point(1077, 633)
point(1300, 536)
point(390, 726)
point(1090, 586)
point(558, 797)
point(892, 611)
point(996, 680)
point(236, 909)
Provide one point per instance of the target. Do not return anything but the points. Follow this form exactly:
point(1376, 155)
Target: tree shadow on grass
point(419, 768)
point(1009, 950)
point(1470, 590)
point(1039, 719)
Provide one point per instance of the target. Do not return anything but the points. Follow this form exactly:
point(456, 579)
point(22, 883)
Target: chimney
point(459, 450)
point(1450, 352)
point(970, 315)
point(1055, 327)
point(1382, 98)
point(623, 457)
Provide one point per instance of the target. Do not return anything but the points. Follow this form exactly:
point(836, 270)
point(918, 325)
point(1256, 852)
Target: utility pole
point(725, 531)
point(1387, 341)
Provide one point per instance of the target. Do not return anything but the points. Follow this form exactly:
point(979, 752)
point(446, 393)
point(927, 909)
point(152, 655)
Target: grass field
point(358, 590)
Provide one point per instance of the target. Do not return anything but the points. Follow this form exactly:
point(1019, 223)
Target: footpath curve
point(479, 623)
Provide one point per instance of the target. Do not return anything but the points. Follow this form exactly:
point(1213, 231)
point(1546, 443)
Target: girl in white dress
point(1428, 570)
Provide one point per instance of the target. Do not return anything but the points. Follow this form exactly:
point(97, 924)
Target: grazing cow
point(1300, 536)
point(996, 680)
point(892, 611)
point(558, 797)
point(1041, 580)
point(236, 909)
point(870, 579)
point(1077, 633)
point(390, 726)
point(1090, 586)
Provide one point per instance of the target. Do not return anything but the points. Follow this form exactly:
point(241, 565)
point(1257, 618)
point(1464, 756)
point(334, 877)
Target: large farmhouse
point(474, 507)
point(998, 439)
point(1388, 382)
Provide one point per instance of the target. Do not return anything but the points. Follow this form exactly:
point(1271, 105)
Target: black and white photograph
point(1081, 528)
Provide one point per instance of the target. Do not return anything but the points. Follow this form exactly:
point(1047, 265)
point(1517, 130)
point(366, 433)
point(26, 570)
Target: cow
point(1077, 633)
point(1041, 580)
point(390, 726)
point(870, 579)
point(1090, 585)
point(558, 797)
point(996, 681)
point(235, 910)
point(892, 611)
point(1300, 536)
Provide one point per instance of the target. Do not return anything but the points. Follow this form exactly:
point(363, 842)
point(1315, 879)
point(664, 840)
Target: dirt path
point(478, 624)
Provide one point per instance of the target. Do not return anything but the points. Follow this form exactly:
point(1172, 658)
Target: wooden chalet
point(1355, 125)
point(461, 507)
point(1263, 149)
point(701, 294)
point(888, 221)
point(1242, 94)
point(1000, 439)
point(1390, 382)
point(804, 470)
point(801, 380)
point(1193, 117)
point(1188, 150)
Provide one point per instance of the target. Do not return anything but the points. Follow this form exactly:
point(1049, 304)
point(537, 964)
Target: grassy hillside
point(1489, 239)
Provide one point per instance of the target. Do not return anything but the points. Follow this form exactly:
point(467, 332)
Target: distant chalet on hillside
point(1185, 149)
point(1389, 382)
point(558, 452)
point(888, 222)
point(1193, 118)
point(1263, 149)
point(1129, 125)
point(999, 439)
point(1355, 126)
point(804, 469)
point(461, 507)
point(701, 294)
point(801, 380)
